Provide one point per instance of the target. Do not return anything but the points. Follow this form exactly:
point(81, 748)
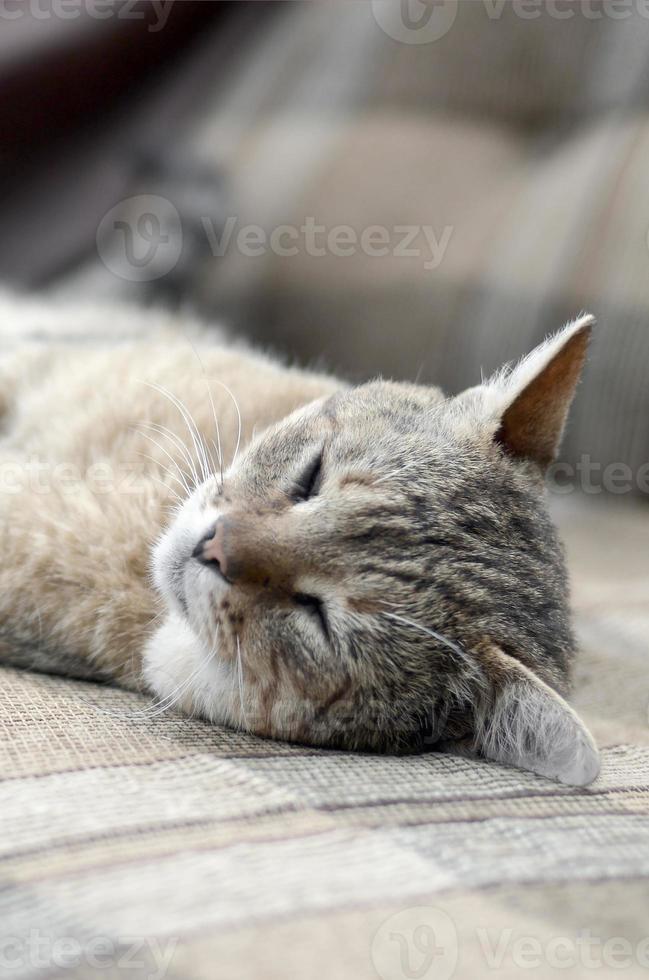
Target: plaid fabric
point(197, 852)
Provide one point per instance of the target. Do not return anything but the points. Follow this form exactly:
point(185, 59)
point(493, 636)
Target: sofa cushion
point(235, 856)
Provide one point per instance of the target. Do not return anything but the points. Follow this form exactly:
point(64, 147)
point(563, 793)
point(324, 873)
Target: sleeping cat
point(367, 567)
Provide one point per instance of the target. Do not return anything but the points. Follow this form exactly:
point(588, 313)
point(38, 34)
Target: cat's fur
point(410, 592)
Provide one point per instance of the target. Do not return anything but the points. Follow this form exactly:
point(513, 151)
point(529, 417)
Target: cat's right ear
point(526, 406)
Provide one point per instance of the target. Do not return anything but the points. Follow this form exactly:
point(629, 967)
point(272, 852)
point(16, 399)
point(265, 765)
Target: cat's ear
point(523, 722)
point(530, 402)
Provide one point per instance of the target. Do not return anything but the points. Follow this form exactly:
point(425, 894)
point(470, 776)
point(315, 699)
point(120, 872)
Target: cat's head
point(378, 571)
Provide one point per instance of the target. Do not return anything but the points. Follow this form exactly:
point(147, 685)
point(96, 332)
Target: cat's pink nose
point(210, 549)
point(247, 549)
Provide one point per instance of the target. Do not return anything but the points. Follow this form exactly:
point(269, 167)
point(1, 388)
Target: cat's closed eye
point(315, 607)
point(309, 482)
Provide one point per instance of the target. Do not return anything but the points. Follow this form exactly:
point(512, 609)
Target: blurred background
point(421, 188)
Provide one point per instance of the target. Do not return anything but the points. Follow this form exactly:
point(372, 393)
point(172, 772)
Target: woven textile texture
point(198, 852)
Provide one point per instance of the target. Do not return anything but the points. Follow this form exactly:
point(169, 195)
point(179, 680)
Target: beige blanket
point(202, 853)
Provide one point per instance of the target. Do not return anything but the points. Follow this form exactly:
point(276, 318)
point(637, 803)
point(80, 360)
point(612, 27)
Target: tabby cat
point(367, 567)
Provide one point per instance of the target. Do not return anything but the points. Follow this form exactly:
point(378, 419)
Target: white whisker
point(216, 445)
point(455, 647)
point(167, 488)
point(239, 426)
point(165, 469)
point(197, 439)
point(178, 443)
point(240, 677)
point(393, 473)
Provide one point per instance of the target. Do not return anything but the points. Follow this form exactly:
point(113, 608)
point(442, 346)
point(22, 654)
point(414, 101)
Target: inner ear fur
point(544, 385)
point(521, 721)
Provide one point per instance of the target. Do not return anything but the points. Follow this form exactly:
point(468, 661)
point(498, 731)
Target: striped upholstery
point(205, 853)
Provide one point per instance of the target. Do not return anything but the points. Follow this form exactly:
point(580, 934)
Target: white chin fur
point(177, 669)
point(180, 670)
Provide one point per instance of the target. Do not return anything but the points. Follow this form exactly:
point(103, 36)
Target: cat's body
point(374, 570)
